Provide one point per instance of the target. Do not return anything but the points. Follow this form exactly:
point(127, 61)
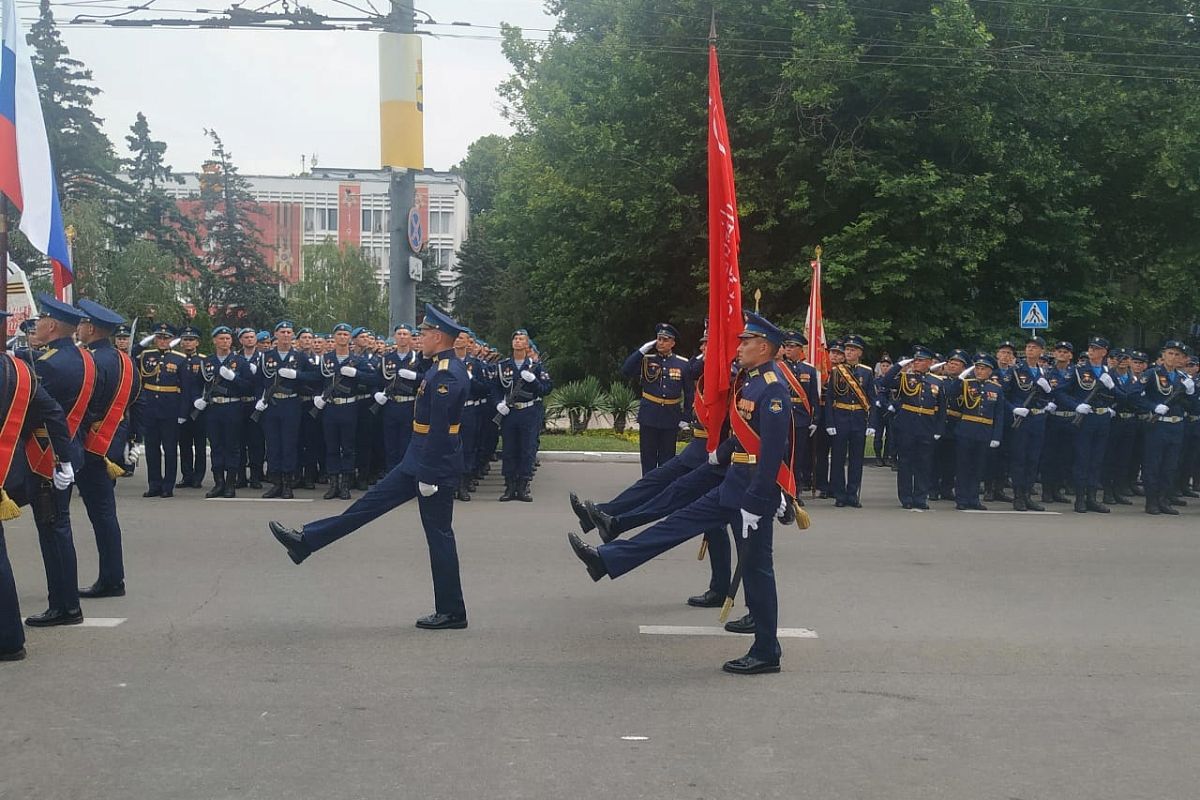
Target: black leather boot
point(523, 491)
point(1033, 505)
point(360, 480)
point(241, 479)
point(1001, 495)
point(344, 481)
point(275, 490)
point(1092, 505)
point(1109, 497)
point(286, 492)
point(255, 477)
point(461, 493)
point(308, 478)
point(1152, 504)
point(1080, 501)
point(230, 482)
point(510, 490)
point(1165, 505)
point(335, 485)
point(1019, 503)
point(218, 487)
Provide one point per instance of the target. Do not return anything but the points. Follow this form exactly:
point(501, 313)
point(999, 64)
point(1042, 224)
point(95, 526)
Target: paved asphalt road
point(959, 656)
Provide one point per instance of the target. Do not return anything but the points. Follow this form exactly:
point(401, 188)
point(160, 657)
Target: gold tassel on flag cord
point(725, 609)
point(703, 550)
point(8, 508)
point(113, 469)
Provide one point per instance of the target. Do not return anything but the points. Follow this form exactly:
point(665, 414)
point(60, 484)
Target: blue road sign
point(1034, 314)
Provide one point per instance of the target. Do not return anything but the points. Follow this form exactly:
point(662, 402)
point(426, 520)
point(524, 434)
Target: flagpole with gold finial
point(757, 299)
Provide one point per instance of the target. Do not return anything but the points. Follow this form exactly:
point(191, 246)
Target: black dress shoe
point(749, 665)
point(13, 655)
point(585, 519)
point(921, 506)
point(709, 599)
point(743, 625)
point(588, 555)
point(167, 493)
point(55, 616)
point(292, 540)
point(98, 589)
point(442, 622)
point(854, 502)
point(152, 493)
point(906, 506)
point(604, 525)
point(839, 503)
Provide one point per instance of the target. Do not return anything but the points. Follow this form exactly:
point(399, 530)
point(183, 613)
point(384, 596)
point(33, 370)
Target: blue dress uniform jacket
point(281, 420)
point(1082, 384)
point(434, 457)
point(161, 405)
point(981, 406)
point(1163, 432)
point(401, 395)
point(192, 440)
point(223, 418)
point(850, 414)
point(341, 418)
point(666, 401)
point(1026, 437)
point(520, 427)
point(920, 415)
point(764, 401)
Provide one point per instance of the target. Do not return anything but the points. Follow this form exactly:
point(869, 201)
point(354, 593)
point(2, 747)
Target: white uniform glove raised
point(200, 404)
point(426, 489)
point(64, 475)
point(1020, 412)
point(381, 398)
point(228, 374)
point(502, 407)
point(349, 371)
point(994, 443)
point(831, 431)
point(287, 372)
point(320, 402)
point(1044, 385)
point(1161, 410)
point(1051, 408)
point(528, 376)
point(648, 346)
point(261, 405)
point(1107, 380)
point(146, 340)
point(1083, 408)
point(407, 374)
point(749, 523)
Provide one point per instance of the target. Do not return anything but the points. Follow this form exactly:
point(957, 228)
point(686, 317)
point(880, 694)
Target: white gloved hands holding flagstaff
point(1051, 407)
point(261, 405)
point(870, 432)
point(427, 489)
point(253, 368)
point(64, 475)
point(994, 443)
point(712, 458)
point(199, 404)
point(749, 523)
point(1189, 385)
point(1083, 408)
point(228, 374)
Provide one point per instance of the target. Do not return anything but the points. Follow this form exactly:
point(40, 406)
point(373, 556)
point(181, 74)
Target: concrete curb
point(589, 456)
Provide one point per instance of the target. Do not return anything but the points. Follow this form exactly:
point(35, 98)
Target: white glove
point(831, 431)
point(749, 523)
point(261, 405)
point(349, 371)
point(994, 443)
point(1020, 412)
point(1044, 384)
point(1189, 386)
point(937, 436)
point(938, 365)
point(783, 504)
point(812, 429)
point(1107, 380)
point(200, 404)
point(127, 455)
point(1161, 410)
point(683, 426)
point(528, 376)
point(502, 407)
point(1083, 408)
point(879, 404)
point(175, 342)
point(904, 362)
point(139, 450)
point(426, 489)
point(228, 374)
point(181, 420)
point(968, 372)
point(146, 340)
point(381, 398)
point(320, 402)
point(407, 374)
point(870, 432)
point(648, 346)
point(1111, 410)
point(891, 408)
point(133, 454)
point(1051, 407)
point(712, 458)
point(253, 368)
point(64, 475)
point(287, 372)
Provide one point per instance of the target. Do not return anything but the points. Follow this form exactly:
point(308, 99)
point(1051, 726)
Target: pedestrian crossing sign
point(1034, 314)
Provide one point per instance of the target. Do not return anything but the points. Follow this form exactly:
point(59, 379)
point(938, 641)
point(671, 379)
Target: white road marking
point(261, 500)
point(635, 738)
point(699, 630)
point(101, 622)
point(1025, 513)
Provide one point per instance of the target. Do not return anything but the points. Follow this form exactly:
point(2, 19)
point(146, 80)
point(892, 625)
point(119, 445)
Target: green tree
point(481, 169)
point(147, 211)
point(338, 285)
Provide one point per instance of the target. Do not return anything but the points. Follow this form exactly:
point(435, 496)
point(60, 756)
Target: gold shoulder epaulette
point(47, 354)
point(444, 364)
point(770, 377)
point(938, 378)
point(177, 353)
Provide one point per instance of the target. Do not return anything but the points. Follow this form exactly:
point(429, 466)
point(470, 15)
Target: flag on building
point(724, 279)
point(814, 323)
point(26, 173)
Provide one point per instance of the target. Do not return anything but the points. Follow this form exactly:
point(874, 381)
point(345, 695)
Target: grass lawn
point(604, 441)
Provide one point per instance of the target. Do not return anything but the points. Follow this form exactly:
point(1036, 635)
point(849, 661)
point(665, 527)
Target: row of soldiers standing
point(299, 409)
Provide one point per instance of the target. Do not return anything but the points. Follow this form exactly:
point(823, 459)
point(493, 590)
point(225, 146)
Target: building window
point(441, 221)
point(441, 256)
point(374, 221)
point(320, 219)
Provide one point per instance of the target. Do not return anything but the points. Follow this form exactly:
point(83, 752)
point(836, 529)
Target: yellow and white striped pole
point(401, 101)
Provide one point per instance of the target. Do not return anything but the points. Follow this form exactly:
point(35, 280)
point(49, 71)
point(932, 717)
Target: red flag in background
point(814, 324)
point(724, 279)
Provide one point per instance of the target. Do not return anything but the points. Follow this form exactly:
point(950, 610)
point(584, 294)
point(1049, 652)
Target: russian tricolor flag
point(26, 174)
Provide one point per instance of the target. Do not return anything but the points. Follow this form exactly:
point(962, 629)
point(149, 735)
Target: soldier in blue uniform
point(1119, 451)
point(68, 375)
point(192, 446)
point(285, 372)
point(1186, 482)
point(345, 376)
point(312, 437)
point(431, 467)
point(847, 420)
point(161, 405)
point(254, 446)
point(40, 411)
point(1028, 394)
point(522, 383)
point(363, 349)
point(945, 454)
point(473, 421)
point(227, 380)
point(997, 458)
point(1165, 396)
point(1060, 430)
point(666, 396)
point(1089, 389)
point(979, 399)
point(105, 438)
point(401, 372)
point(747, 498)
point(920, 422)
point(802, 380)
point(884, 411)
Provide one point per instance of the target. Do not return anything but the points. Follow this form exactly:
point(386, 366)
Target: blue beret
point(99, 315)
point(533, 346)
point(758, 326)
point(284, 323)
point(217, 331)
point(403, 326)
point(58, 310)
point(358, 330)
point(263, 336)
point(342, 326)
point(303, 331)
point(520, 332)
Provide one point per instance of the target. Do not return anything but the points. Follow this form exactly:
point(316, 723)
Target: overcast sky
point(275, 95)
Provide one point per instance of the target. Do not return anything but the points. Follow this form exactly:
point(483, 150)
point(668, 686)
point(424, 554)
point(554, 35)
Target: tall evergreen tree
point(147, 211)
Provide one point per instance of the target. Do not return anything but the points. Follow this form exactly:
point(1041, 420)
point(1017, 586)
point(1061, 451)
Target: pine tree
point(147, 211)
